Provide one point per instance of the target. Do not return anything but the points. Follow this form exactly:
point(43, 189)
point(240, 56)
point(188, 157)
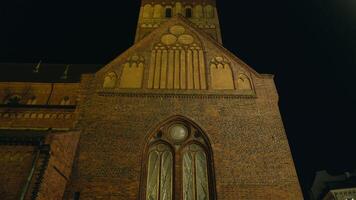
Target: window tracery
point(195, 173)
point(179, 164)
point(160, 173)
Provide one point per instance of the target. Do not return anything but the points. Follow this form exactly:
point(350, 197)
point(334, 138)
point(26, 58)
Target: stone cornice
point(187, 94)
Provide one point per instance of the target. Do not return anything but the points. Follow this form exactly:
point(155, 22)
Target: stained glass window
point(160, 173)
point(195, 174)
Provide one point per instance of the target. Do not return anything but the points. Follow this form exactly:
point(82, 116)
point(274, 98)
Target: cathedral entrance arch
point(177, 163)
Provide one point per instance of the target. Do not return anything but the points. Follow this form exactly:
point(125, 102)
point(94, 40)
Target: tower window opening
point(188, 13)
point(168, 12)
point(76, 196)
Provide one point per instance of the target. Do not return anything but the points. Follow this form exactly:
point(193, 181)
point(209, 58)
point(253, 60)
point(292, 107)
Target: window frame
point(168, 12)
point(157, 137)
point(188, 12)
point(171, 150)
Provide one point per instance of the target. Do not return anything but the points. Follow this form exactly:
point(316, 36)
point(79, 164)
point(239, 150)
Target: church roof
point(46, 73)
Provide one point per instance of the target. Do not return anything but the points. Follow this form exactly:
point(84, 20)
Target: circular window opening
point(178, 132)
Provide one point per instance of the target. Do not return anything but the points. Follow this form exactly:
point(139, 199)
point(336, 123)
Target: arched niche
point(110, 80)
point(185, 156)
point(157, 11)
point(147, 11)
point(221, 74)
point(243, 82)
point(178, 8)
point(132, 73)
point(198, 11)
point(209, 11)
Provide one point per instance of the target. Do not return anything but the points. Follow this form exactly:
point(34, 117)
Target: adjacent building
point(334, 187)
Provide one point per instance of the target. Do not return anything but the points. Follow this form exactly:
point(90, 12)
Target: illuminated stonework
point(203, 14)
point(176, 116)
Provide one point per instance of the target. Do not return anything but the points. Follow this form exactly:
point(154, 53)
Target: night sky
point(310, 46)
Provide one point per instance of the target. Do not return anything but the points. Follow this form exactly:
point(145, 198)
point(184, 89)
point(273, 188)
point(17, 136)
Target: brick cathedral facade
point(176, 116)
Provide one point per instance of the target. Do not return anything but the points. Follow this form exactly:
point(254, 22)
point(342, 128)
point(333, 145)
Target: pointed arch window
point(195, 173)
point(178, 164)
point(160, 173)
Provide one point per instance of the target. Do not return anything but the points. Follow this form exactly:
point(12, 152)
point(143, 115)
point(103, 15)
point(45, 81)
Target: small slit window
point(168, 12)
point(76, 196)
point(188, 13)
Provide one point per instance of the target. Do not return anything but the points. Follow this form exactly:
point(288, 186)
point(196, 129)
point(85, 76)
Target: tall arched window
point(178, 163)
point(195, 173)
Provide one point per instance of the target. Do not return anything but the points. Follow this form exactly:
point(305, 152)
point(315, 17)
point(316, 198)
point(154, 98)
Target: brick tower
point(175, 117)
point(202, 13)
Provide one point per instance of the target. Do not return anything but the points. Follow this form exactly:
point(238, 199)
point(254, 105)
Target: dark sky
point(310, 45)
